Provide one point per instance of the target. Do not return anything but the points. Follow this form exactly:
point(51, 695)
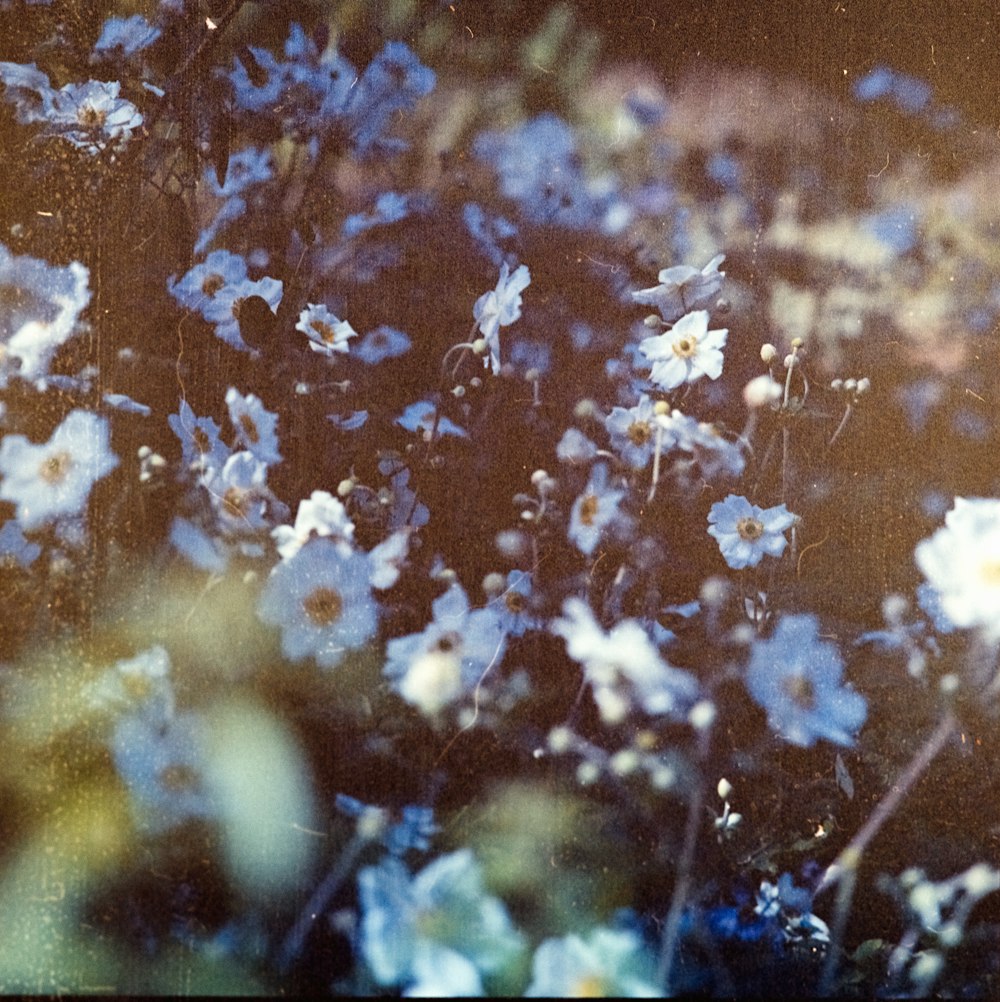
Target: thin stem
point(844, 868)
point(840, 427)
point(685, 868)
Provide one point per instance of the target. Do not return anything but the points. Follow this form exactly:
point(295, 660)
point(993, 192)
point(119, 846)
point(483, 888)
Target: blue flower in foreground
point(200, 285)
point(683, 289)
point(796, 678)
point(686, 352)
point(91, 115)
point(322, 602)
point(434, 668)
point(436, 932)
point(500, 307)
point(746, 533)
point(594, 510)
point(54, 480)
point(160, 763)
point(382, 343)
point(607, 963)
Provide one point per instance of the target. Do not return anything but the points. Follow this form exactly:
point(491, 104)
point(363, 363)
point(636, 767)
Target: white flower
point(51, 480)
point(746, 533)
point(961, 561)
point(91, 114)
point(683, 288)
point(500, 307)
point(322, 514)
point(686, 352)
point(623, 666)
point(327, 334)
point(594, 510)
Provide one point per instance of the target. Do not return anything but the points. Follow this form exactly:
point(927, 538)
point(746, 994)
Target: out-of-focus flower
point(256, 428)
point(633, 432)
point(54, 480)
point(746, 533)
point(797, 679)
point(322, 603)
point(434, 668)
point(388, 558)
point(15, 547)
point(320, 515)
point(140, 684)
point(683, 289)
point(623, 666)
point(423, 416)
point(327, 334)
point(382, 343)
point(513, 604)
point(124, 36)
point(500, 307)
point(437, 931)
point(390, 207)
point(239, 494)
point(40, 305)
point(608, 963)
point(685, 353)
point(961, 562)
point(594, 510)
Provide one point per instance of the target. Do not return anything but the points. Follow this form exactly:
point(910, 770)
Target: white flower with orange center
point(686, 352)
point(327, 334)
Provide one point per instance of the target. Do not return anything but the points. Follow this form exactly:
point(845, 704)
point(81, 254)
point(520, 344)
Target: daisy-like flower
point(53, 480)
point(796, 678)
point(686, 352)
point(433, 668)
point(683, 288)
point(200, 285)
point(322, 602)
point(320, 515)
point(437, 931)
point(594, 510)
point(40, 305)
point(500, 307)
point(633, 432)
point(608, 963)
point(256, 428)
point(223, 308)
point(202, 450)
point(327, 334)
point(623, 667)
point(961, 562)
point(91, 115)
point(746, 533)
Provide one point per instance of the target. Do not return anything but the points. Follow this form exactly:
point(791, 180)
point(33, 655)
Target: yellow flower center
point(588, 509)
point(514, 601)
point(639, 432)
point(989, 572)
point(212, 284)
point(686, 347)
point(55, 468)
point(325, 331)
point(323, 606)
point(750, 529)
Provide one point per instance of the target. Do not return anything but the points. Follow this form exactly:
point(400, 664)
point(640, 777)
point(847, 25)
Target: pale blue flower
point(40, 305)
point(797, 679)
point(594, 510)
point(500, 307)
point(91, 115)
point(239, 494)
point(686, 352)
point(746, 533)
point(908, 93)
point(53, 480)
point(256, 427)
point(200, 285)
point(423, 416)
point(202, 450)
point(488, 231)
point(608, 963)
point(575, 447)
point(160, 763)
point(124, 36)
point(327, 334)
point(223, 308)
point(205, 552)
point(434, 668)
point(633, 432)
point(382, 343)
point(247, 167)
point(390, 207)
point(436, 929)
point(514, 605)
point(683, 289)
point(14, 546)
point(322, 603)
